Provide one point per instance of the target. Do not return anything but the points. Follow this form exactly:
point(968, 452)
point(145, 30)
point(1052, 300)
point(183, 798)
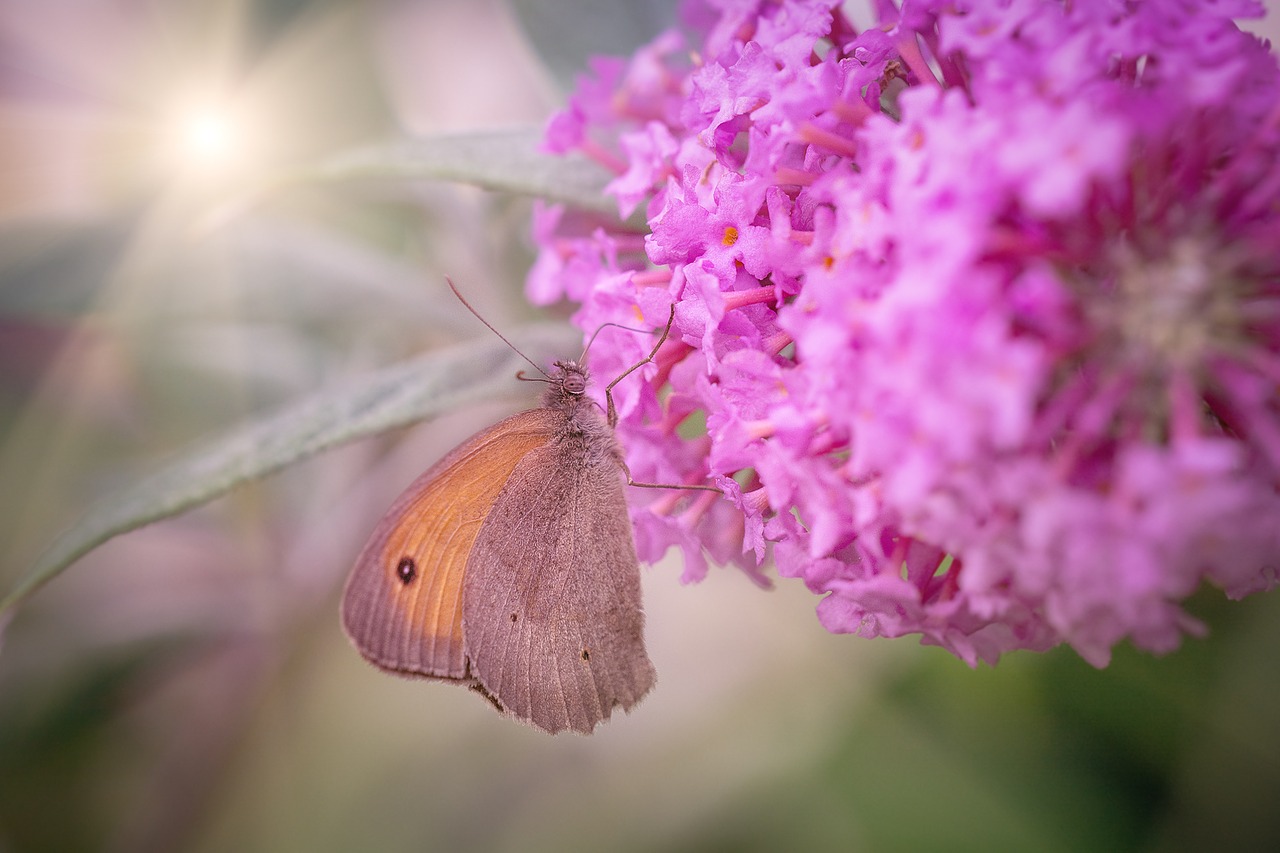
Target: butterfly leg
point(630, 482)
point(611, 410)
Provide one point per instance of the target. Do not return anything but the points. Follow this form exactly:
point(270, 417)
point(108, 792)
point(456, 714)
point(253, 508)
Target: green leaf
point(566, 33)
point(392, 397)
point(500, 160)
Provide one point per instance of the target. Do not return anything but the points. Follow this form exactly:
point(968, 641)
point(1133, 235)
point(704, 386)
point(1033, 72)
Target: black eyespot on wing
point(515, 617)
point(406, 570)
point(586, 654)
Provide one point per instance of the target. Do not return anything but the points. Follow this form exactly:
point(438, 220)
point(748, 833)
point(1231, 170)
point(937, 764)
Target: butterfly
point(510, 567)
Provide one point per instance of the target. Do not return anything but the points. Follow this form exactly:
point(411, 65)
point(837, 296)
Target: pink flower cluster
point(980, 307)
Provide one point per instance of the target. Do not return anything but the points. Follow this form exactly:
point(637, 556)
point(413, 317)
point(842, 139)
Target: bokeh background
point(187, 686)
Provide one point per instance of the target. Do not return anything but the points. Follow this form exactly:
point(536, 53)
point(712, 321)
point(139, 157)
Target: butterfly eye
point(575, 384)
point(406, 570)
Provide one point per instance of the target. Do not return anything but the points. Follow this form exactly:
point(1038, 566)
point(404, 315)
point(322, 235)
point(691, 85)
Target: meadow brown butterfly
point(509, 567)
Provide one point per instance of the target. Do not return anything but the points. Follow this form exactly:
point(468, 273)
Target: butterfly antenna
point(501, 336)
point(604, 326)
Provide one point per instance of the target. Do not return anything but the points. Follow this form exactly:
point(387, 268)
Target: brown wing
point(552, 615)
point(402, 607)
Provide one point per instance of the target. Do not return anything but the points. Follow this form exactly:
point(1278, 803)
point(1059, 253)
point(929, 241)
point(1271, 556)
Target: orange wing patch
point(403, 604)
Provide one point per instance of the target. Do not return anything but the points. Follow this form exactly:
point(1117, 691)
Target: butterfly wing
point(402, 607)
point(552, 615)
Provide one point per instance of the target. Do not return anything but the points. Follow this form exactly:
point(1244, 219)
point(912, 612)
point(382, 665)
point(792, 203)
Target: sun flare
point(208, 139)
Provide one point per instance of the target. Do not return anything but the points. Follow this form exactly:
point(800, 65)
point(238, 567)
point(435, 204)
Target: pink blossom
point(980, 308)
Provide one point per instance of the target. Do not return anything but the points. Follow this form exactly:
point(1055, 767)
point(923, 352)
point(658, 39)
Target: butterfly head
point(570, 378)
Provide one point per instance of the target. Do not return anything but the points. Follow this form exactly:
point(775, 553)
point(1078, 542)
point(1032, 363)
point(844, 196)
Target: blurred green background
point(187, 686)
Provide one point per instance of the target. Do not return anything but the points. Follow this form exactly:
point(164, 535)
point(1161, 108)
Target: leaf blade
point(567, 33)
point(392, 397)
point(499, 160)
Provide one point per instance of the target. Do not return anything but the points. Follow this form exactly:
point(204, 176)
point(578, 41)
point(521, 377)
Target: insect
point(509, 566)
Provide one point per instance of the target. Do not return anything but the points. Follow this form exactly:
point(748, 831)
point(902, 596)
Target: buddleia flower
point(977, 311)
